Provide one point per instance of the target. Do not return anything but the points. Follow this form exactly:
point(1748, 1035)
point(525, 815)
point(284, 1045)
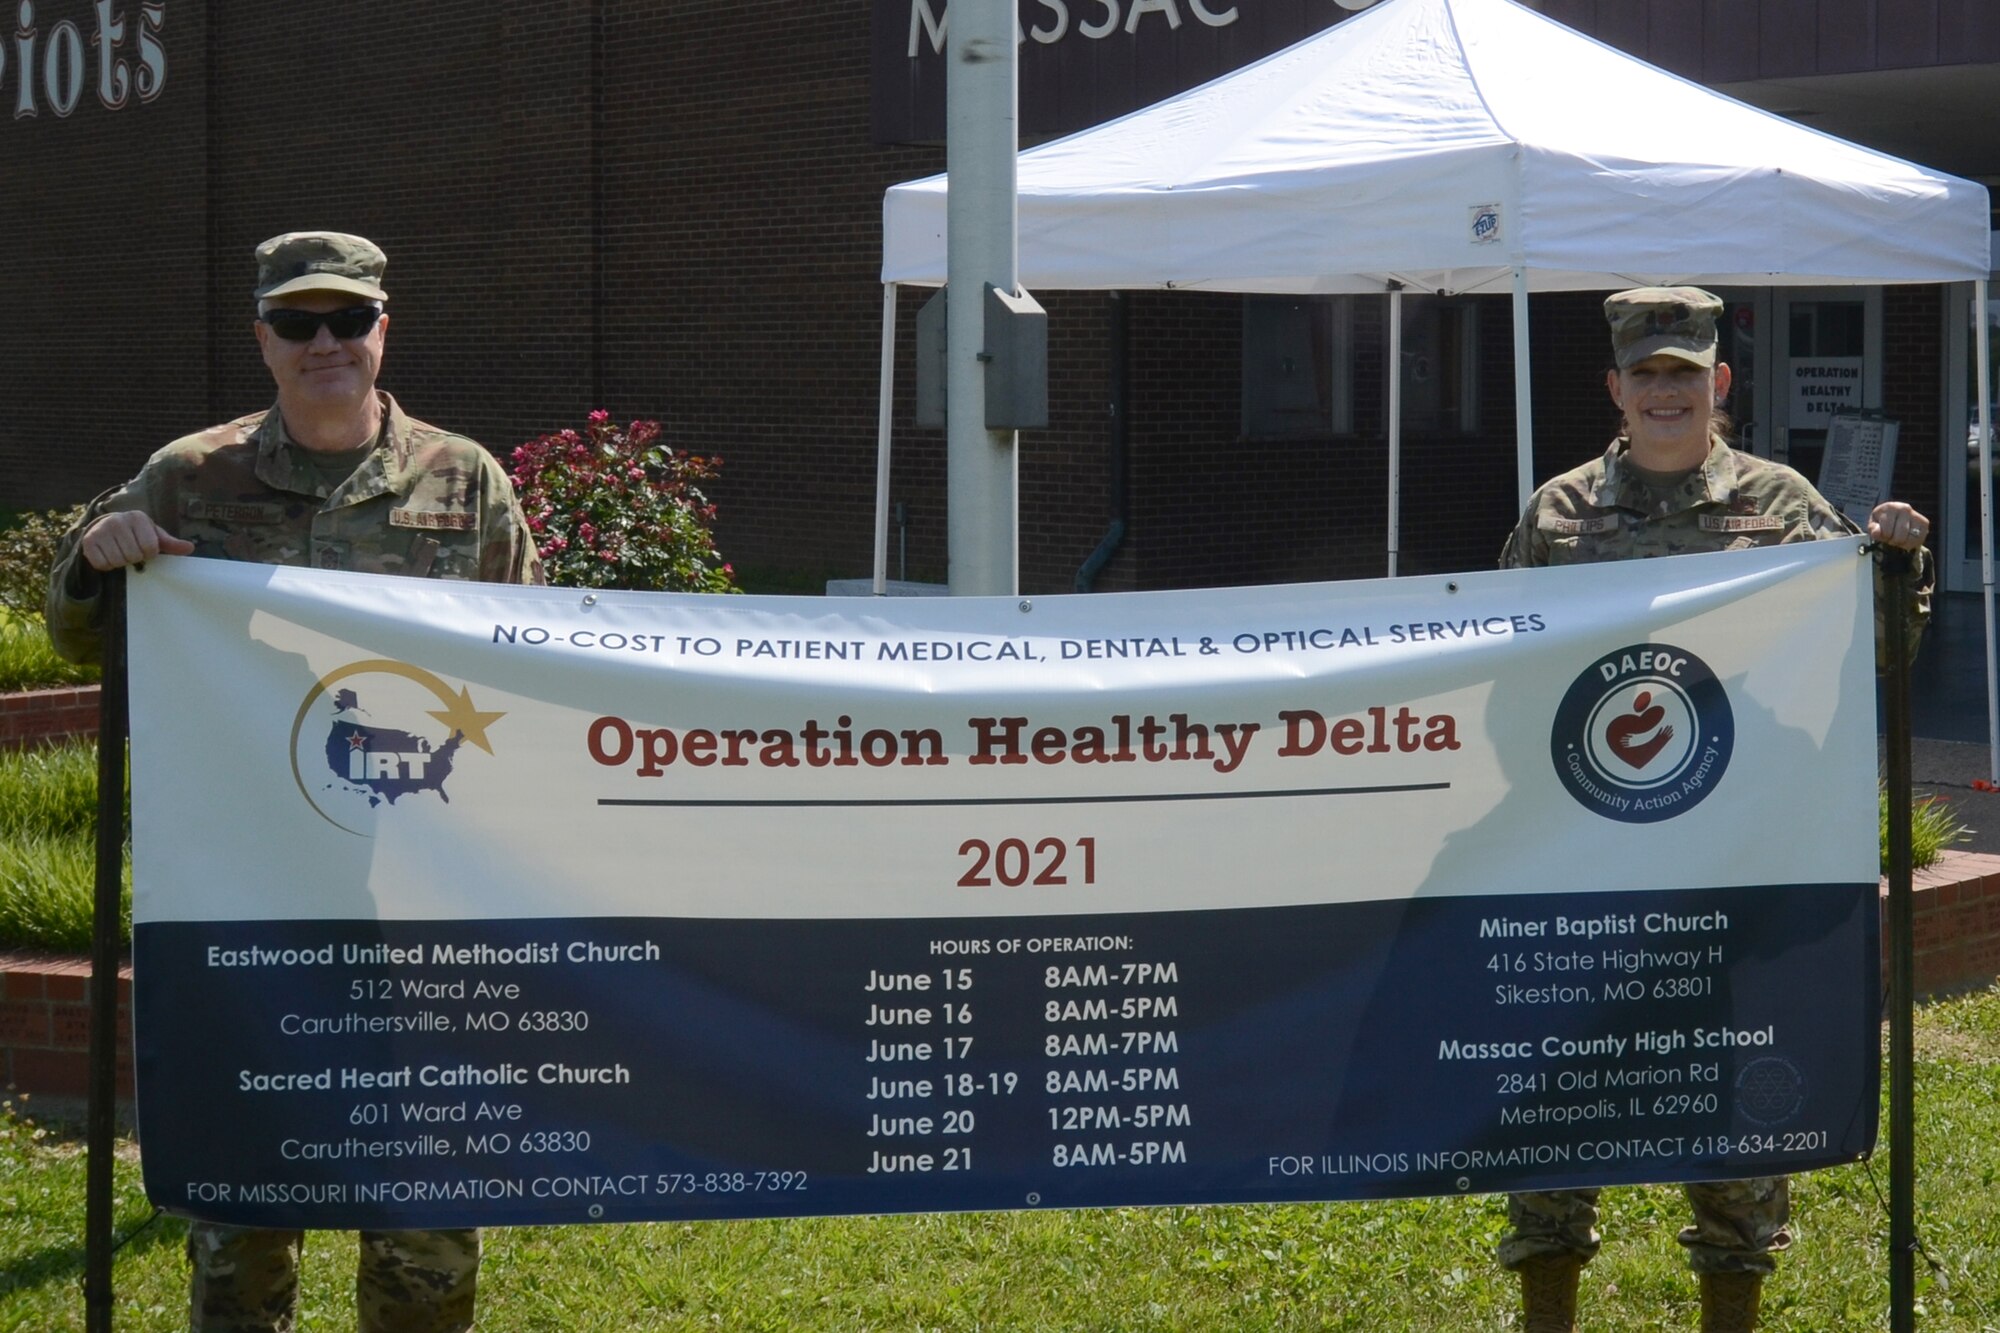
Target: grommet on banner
point(1034, 1199)
point(590, 599)
point(596, 1211)
point(1027, 605)
point(1465, 1182)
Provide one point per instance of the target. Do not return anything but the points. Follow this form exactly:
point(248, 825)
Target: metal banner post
point(102, 1116)
point(1902, 1135)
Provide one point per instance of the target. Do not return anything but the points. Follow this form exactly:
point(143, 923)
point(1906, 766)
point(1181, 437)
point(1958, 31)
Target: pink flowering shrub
point(612, 507)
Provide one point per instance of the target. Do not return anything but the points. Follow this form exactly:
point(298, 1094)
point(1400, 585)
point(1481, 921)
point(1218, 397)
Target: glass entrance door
point(1740, 343)
point(1960, 553)
point(1826, 359)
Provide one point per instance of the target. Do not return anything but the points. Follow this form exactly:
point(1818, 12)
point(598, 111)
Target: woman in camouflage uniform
point(1669, 485)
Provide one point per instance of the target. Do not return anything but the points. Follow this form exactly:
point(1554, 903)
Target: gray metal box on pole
point(1014, 355)
point(1017, 361)
point(932, 370)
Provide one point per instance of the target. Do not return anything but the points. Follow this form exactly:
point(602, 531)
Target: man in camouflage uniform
point(334, 477)
point(1670, 485)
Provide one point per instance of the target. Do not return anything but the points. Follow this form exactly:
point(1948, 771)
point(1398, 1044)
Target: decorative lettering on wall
point(51, 68)
point(1053, 20)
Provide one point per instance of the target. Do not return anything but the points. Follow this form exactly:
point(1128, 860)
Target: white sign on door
point(1822, 386)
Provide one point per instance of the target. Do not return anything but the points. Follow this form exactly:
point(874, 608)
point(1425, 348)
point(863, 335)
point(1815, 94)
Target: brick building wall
point(106, 230)
point(1570, 347)
point(1744, 39)
point(1912, 350)
point(672, 209)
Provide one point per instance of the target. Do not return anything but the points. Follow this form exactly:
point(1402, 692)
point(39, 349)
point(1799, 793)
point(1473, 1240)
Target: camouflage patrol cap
point(1647, 321)
point(320, 261)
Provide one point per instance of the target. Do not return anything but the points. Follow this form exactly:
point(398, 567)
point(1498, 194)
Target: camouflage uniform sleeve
point(1828, 522)
point(73, 612)
point(507, 551)
point(1526, 546)
point(1917, 615)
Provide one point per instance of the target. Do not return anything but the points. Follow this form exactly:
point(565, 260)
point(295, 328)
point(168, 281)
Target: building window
point(1298, 366)
point(1440, 366)
point(1300, 358)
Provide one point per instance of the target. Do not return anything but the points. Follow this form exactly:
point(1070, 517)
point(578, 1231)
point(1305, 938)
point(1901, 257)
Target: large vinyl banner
point(466, 904)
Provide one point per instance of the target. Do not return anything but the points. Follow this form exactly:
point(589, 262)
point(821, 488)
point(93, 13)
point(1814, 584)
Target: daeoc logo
point(1644, 734)
point(373, 733)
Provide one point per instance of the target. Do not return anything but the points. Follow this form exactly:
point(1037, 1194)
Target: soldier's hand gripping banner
point(463, 904)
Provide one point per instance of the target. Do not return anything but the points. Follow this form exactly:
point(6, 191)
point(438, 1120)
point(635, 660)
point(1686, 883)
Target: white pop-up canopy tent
point(1459, 146)
point(1371, 152)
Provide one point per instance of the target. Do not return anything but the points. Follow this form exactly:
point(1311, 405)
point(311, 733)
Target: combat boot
point(1729, 1302)
point(1548, 1293)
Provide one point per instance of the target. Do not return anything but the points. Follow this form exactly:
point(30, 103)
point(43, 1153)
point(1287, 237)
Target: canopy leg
point(1395, 364)
point(1983, 415)
point(1524, 410)
point(884, 409)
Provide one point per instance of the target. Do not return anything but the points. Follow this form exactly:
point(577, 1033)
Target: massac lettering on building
point(1055, 22)
point(1081, 61)
point(49, 68)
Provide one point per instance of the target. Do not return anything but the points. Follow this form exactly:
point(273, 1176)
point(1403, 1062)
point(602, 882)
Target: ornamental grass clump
point(1934, 828)
point(48, 848)
point(612, 507)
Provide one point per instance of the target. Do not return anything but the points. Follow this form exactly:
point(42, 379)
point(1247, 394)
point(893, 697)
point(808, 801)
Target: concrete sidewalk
point(1948, 716)
point(1948, 769)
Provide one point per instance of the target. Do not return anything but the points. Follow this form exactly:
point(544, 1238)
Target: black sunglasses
point(302, 326)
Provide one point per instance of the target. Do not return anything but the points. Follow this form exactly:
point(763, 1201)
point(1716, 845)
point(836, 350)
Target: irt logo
point(383, 740)
point(366, 765)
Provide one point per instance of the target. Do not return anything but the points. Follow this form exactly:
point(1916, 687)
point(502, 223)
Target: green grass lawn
point(48, 848)
point(1421, 1265)
point(28, 663)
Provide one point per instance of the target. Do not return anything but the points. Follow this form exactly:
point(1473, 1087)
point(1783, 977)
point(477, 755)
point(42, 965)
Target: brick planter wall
point(45, 1012)
point(45, 1033)
point(1955, 920)
point(35, 717)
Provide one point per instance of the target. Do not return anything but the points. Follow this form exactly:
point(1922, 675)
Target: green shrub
point(27, 554)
